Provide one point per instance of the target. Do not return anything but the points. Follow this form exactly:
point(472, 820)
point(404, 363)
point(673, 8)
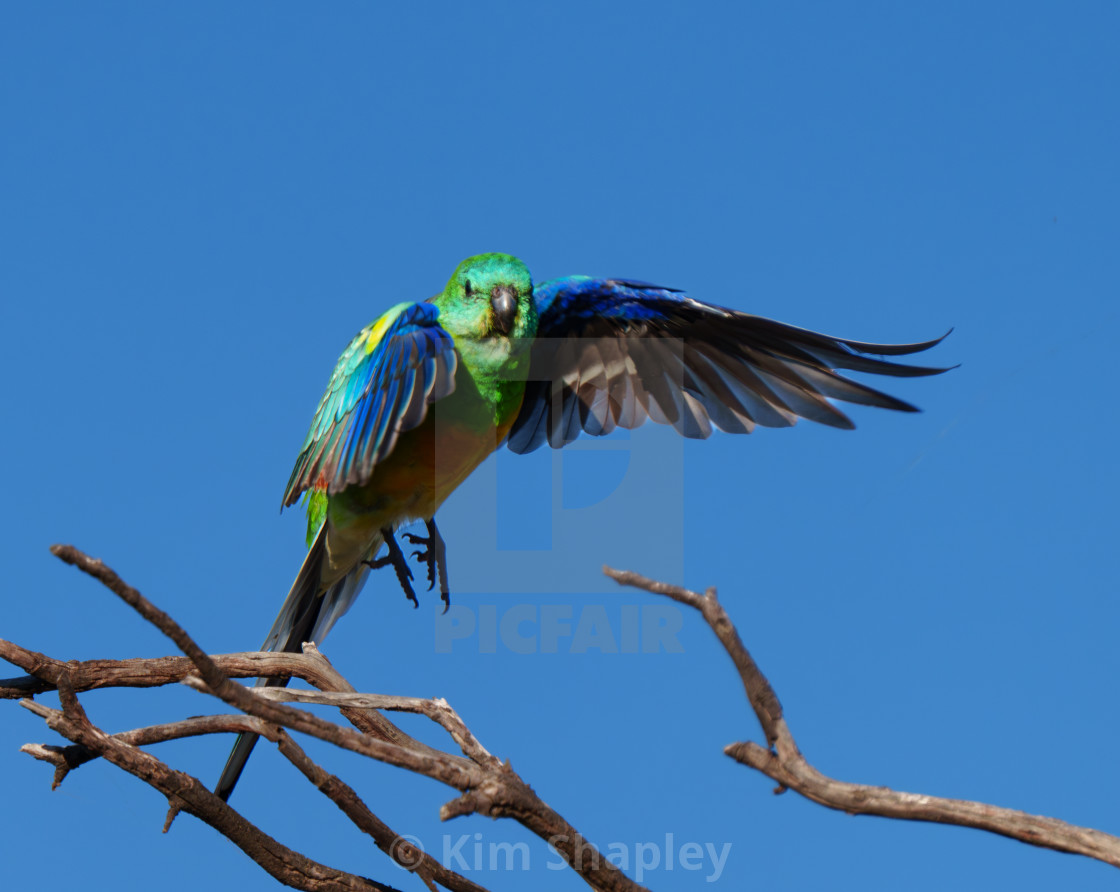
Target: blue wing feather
point(614, 352)
point(381, 387)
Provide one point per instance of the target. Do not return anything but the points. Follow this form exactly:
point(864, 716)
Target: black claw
point(440, 548)
point(425, 555)
point(434, 555)
point(396, 559)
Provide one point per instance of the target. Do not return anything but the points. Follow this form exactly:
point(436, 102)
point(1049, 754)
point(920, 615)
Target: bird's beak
point(503, 302)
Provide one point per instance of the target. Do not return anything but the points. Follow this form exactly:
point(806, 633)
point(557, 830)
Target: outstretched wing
point(613, 352)
point(382, 386)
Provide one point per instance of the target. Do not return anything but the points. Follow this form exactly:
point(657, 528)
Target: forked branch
point(487, 786)
point(783, 761)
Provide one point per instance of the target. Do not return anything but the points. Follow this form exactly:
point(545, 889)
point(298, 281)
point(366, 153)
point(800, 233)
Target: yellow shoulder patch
point(378, 329)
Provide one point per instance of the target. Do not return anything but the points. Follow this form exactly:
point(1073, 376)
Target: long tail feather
point(307, 615)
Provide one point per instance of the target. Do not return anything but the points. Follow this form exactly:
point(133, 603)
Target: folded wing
point(382, 386)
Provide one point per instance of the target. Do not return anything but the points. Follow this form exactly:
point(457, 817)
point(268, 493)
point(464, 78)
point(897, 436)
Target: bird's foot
point(434, 555)
point(396, 559)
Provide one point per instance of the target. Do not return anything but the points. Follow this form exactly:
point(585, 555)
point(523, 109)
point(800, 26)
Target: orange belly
point(424, 468)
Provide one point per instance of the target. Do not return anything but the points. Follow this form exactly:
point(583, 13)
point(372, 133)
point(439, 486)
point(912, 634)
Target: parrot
point(428, 390)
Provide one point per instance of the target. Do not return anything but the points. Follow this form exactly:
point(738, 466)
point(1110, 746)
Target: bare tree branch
point(89, 675)
point(438, 710)
point(188, 794)
point(784, 762)
point(67, 758)
point(487, 785)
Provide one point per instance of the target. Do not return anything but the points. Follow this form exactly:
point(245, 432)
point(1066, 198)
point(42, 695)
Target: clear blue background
point(201, 203)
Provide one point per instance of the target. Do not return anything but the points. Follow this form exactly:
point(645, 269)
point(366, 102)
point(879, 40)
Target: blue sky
point(201, 203)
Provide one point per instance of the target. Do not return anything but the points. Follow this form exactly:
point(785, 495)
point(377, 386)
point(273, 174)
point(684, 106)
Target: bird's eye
point(467, 287)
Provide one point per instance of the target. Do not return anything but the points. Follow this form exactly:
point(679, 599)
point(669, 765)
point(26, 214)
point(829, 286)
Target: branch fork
point(485, 784)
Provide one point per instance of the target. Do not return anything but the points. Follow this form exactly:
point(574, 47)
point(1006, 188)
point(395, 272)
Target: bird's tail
point(308, 613)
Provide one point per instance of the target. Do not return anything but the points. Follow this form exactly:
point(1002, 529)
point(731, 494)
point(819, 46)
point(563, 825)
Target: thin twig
point(438, 710)
point(784, 762)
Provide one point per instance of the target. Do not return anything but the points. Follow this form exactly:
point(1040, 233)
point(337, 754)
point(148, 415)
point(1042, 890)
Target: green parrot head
point(489, 297)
